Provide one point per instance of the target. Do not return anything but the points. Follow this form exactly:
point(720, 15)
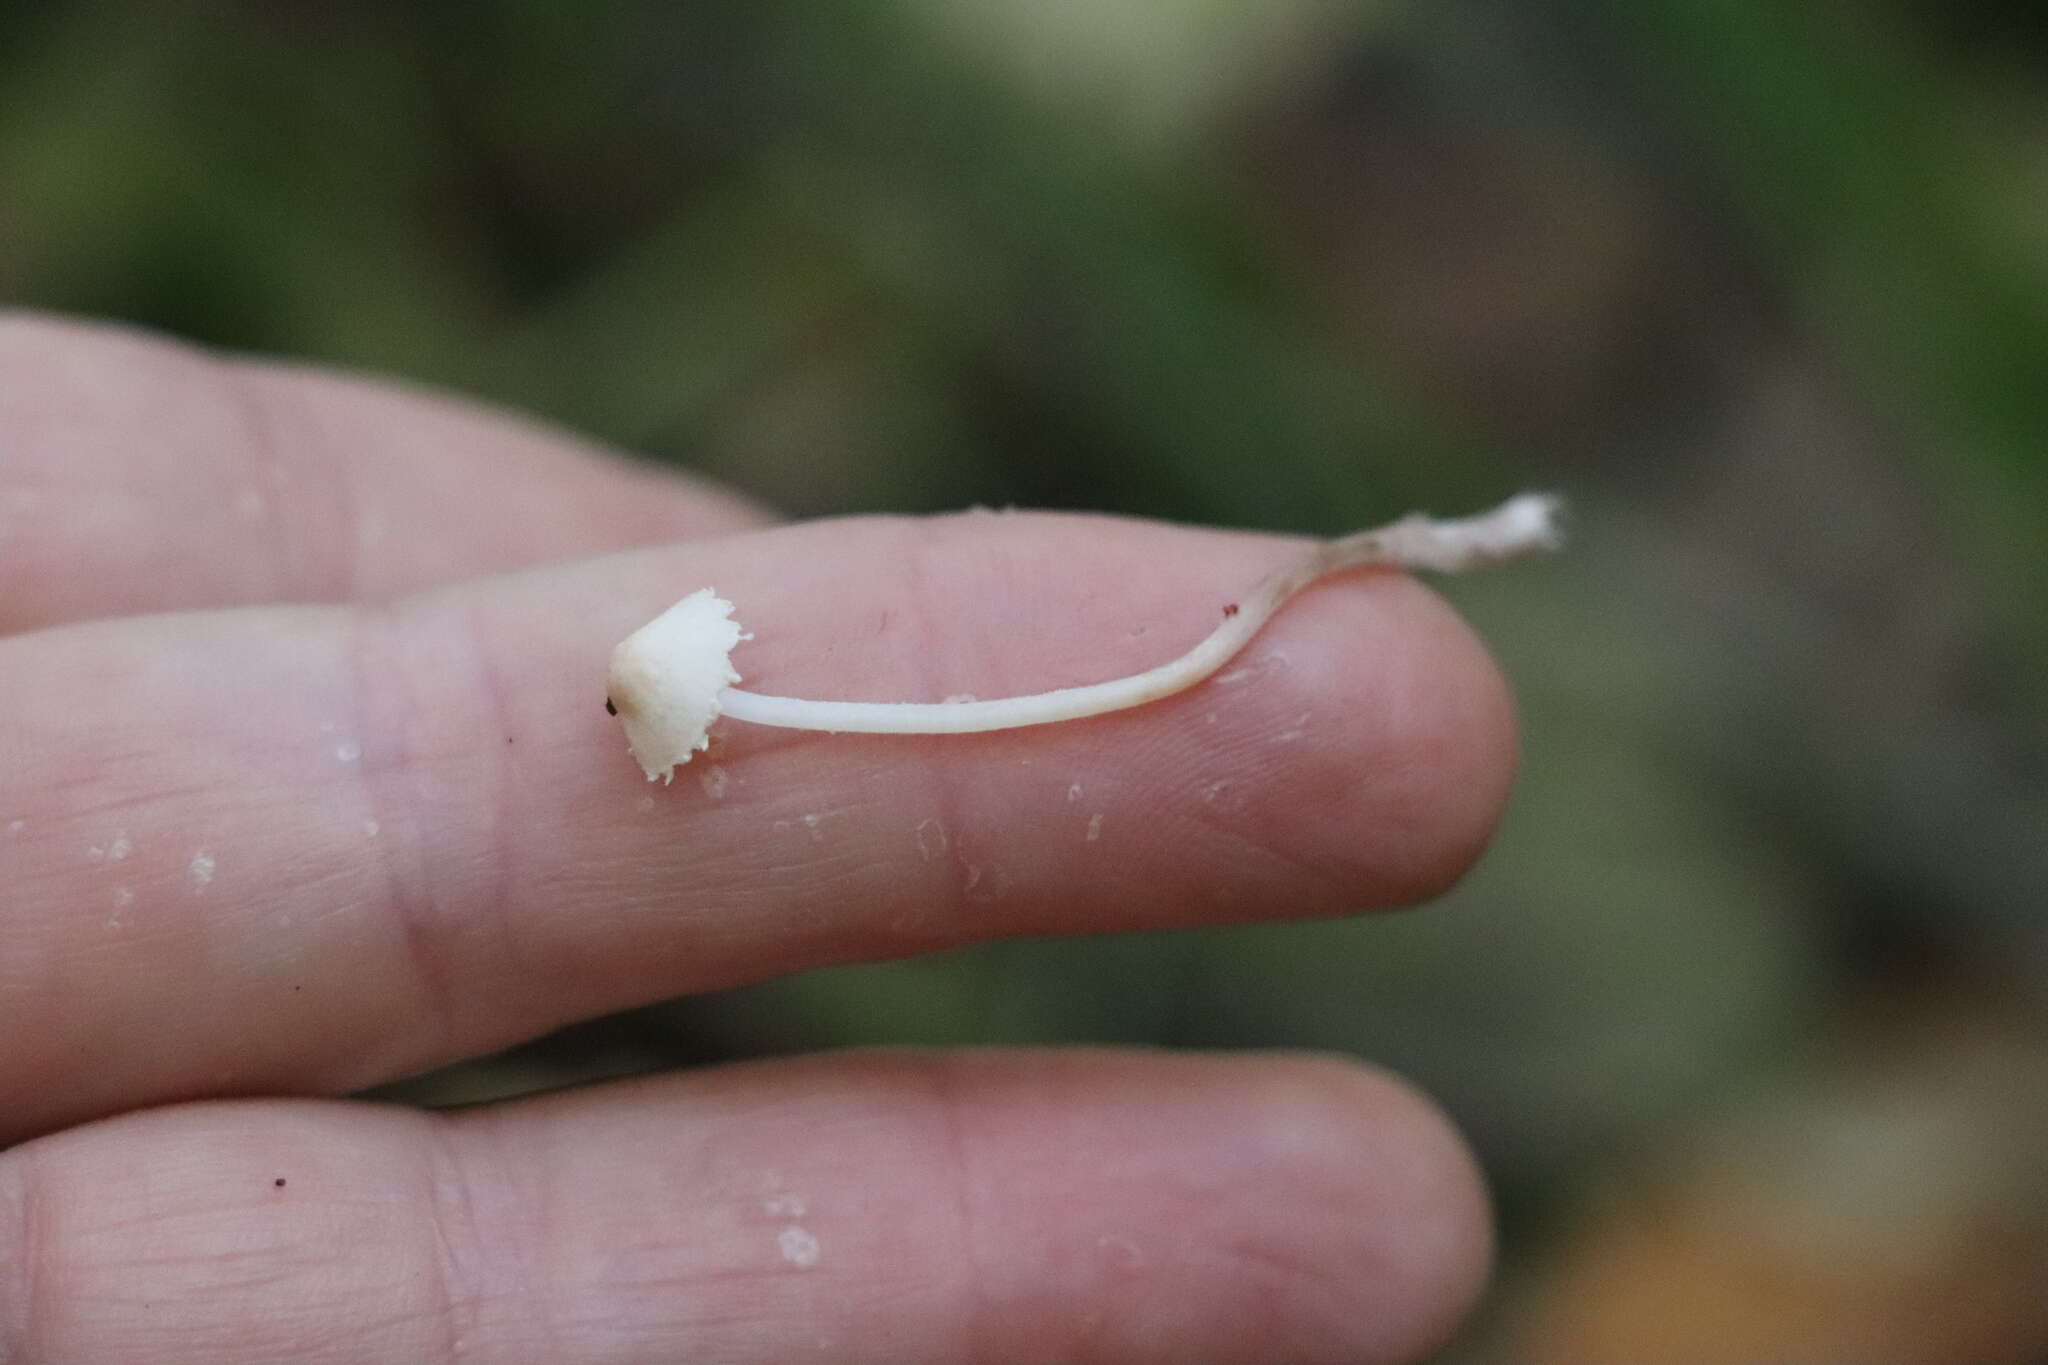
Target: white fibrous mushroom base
point(673, 677)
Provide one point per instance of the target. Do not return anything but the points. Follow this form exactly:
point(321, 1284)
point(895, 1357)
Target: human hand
point(257, 851)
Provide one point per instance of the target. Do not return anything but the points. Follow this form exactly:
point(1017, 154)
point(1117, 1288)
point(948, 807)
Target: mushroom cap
point(665, 679)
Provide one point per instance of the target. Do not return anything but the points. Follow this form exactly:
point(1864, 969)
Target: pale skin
point(307, 785)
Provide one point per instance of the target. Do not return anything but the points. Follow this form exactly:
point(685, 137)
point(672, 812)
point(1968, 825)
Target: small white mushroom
point(673, 677)
point(669, 678)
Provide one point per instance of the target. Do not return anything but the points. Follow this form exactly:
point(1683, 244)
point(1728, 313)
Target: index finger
point(140, 474)
point(312, 849)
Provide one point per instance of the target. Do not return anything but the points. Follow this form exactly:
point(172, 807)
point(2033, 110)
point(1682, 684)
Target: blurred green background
point(1747, 1009)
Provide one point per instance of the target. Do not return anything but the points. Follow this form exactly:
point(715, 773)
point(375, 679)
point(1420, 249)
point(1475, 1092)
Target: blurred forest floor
point(1747, 1009)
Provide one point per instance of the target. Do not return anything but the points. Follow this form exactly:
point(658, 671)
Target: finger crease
point(20, 1254)
point(947, 1104)
point(959, 879)
point(451, 1221)
point(395, 789)
point(286, 521)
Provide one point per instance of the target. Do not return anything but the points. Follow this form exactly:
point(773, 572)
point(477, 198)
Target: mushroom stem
point(1523, 524)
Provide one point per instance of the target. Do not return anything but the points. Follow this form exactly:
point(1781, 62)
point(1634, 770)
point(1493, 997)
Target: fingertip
point(1455, 750)
point(1404, 741)
point(1379, 1164)
point(1257, 1206)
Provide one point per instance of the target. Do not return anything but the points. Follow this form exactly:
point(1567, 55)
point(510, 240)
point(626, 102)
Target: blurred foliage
point(1764, 286)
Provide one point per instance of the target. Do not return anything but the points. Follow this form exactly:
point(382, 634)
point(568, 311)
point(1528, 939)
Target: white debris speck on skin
point(930, 847)
point(1225, 795)
point(348, 751)
point(201, 869)
point(785, 1206)
point(15, 827)
point(124, 896)
point(1094, 827)
point(1269, 662)
point(1073, 791)
point(371, 829)
point(812, 823)
point(119, 849)
point(797, 1246)
point(714, 781)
